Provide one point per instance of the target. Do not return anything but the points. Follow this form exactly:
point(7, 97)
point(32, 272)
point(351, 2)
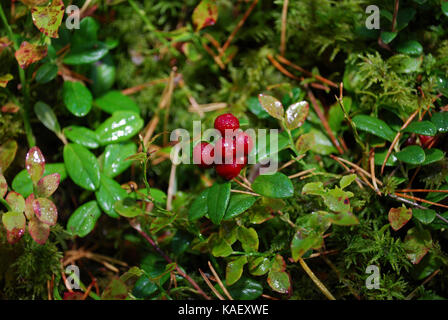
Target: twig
point(284, 20)
point(245, 192)
point(420, 199)
point(219, 281)
point(207, 281)
point(411, 295)
point(136, 225)
point(422, 190)
point(356, 167)
point(290, 162)
point(142, 86)
point(282, 69)
point(302, 173)
point(372, 171)
point(318, 283)
point(394, 19)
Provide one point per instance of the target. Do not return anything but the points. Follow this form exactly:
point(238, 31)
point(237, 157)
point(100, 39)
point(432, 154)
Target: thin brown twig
point(372, 171)
point(215, 274)
point(394, 19)
point(245, 192)
point(411, 295)
point(301, 173)
point(283, 32)
point(207, 281)
point(421, 200)
point(316, 280)
point(422, 190)
point(282, 69)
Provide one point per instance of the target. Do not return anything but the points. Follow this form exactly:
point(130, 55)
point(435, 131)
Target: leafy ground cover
point(356, 207)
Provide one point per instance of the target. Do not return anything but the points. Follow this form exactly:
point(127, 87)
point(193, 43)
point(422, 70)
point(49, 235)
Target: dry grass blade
point(224, 289)
point(207, 281)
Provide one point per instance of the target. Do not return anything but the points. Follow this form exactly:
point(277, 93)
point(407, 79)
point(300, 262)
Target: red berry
point(229, 171)
point(243, 143)
point(225, 149)
point(203, 155)
point(226, 122)
point(425, 140)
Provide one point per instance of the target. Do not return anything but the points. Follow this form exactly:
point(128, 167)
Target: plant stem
point(25, 110)
point(6, 204)
point(313, 277)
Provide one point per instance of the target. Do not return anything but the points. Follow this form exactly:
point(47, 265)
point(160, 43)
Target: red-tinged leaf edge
point(47, 185)
point(29, 211)
point(15, 201)
point(29, 53)
point(14, 223)
point(39, 231)
point(48, 19)
point(35, 164)
point(398, 217)
point(3, 186)
point(45, 210)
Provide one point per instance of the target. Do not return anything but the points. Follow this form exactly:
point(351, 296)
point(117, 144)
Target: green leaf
point(108, 194)
point(14, 223)
point(181, 241)
point(302, 242)
point(47, 185)
point(380, 156)
point(46, 72)
point(82, 136)
point(103, 75)
point(234, 270)
point(245, 289)
point(144, 287)
point(417, 244)
point(116, 101)
point(402, 63)
point(15, 201)
point(86, 54)
point(199, 206)
point(248, 238)
point(388, 37)
point(259, 266)
point(87, 32)
point(22, 181)
point(48, 18)
point(411, 154)
point(46, 115)
point(347, 180)
point(221, 248)
point(217, 200)
point(8, 152)
point(432, 155)
point(238, 204)
point(318, 142)
point(120, 126)
point(296, 114)
point(425, 216)
point(255, 107)
point(263, 151)
point(374, 126)
point(77, 98)
point(82, 166)
point(279, 281)
point(398, 217)
point(440, 119)
point(114, 162)
point(272, 106)
point(276, 185)
point(410, 47)
point(45, 211)
point(35, 164)
point(426, 128)
point(128, 207)
point(445, 8)
point(205, 14)
point(84, 219)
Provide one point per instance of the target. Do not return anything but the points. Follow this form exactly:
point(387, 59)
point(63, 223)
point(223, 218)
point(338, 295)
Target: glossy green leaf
point(296, 114)
point(221, 248)
point(39, 231)
point(374, 126)
point(272, 106)
point(425, 216)
point(114, 162)
point(77, 98)
point(347, 180)
point(388, 37)
point(8, 152)
point(245, 289)
point(47, 185)
point(35, 164)
point(82, 136)
point(82, 166)
point(205, 14)
point(440, 119)
point(128, 207)
point(276, 185)
point(410, 47)
point(411, 154)
point(317, 142)
point(259, 266)
point(48, 18)
point(426, 128)
point(84, 219)
point(144, 287)
point(217, 200)
point(108, 194)
point(417, 244)
point(302, 242)
point(199, 207)
point(103, 75)
point(45, 210)
point(380, 156)
point(248, 238)
point(46, 115)
point(14, 223)
point(120, 126)
point(402, 63)
point(234, 270)
point(46, 72)
point(255, 107)
point(398, 217)
point(445, 8)
point(116, 101)
point(89, 53)
point(432, 155)
point(22, 181)
point(238, 204)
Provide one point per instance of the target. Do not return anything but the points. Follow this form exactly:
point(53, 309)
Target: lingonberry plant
point(328, 156)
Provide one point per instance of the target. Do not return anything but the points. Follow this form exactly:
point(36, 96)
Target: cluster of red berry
point(229, 154)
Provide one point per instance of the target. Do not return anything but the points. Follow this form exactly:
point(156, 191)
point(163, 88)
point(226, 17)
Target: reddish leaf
point(16, 201)
point(47, 185)
point(48, 19)
point(5, 79)
point(31, 3)
point(14, 223)
point(4, 43)
point(29, 212)
point(417, 244)
point(3, 186)
point(205, 14)
point(35, 164)
point(10, 107)
point(116, 290)
point(39, 231)
point(398, 217)
point(7, 154)
point(45, 210)
point(74, 295)
point(29, 53)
